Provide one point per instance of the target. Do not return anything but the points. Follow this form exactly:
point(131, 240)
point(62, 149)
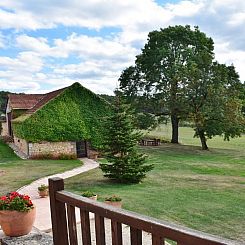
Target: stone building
point(67, 121)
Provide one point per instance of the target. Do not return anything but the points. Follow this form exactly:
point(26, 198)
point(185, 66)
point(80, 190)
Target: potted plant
point(90, 194)
point(114, 200)
point(17, 214)
point(43, 190)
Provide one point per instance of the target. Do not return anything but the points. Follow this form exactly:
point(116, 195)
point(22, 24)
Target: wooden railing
point(64, 224)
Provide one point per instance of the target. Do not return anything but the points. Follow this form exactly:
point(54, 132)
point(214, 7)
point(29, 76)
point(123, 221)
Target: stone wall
point(92, 154)
point(52, 148)
point(4, 131)
point(21, 144)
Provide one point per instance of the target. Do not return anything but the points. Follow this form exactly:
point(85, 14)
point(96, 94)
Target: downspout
point(28, 150)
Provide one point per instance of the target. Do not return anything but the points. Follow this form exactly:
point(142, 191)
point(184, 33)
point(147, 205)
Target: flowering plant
point(14, 201)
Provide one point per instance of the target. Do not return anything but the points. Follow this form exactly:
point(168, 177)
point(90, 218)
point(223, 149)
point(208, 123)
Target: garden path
point(43, 216)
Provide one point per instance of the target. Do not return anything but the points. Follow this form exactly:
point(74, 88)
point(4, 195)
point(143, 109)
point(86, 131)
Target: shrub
point(64, 156)
point(43, 156)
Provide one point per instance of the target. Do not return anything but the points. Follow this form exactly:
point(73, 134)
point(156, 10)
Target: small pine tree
point(125, 163)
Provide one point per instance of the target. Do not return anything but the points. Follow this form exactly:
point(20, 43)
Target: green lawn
point(186, 137)
point(15, 172)
point(204, 190)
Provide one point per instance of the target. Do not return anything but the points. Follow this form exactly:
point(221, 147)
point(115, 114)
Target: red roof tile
point(24, 101)
point(32, 102)
point(46, 98)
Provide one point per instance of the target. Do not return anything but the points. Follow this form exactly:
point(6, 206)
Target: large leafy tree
point(213, 94)
point(160, 70)
point(177, 75)
point(125, 163)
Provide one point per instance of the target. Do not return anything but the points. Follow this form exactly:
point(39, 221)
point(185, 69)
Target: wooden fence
point(64, 223)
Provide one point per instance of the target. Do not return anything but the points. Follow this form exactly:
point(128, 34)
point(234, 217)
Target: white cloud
point(16, 85)
point(93, 14)
point(95, 47)
point(237, 19)
point(185, 8)
point(81, 45)
point(99, 60)
point(18, 74)
point(225, 54)
point(21, 20)
point(31, 43)
point(2, 41)
point(25, 62)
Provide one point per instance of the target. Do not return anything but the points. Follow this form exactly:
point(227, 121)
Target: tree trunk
point(203, 140)
point(175, 129)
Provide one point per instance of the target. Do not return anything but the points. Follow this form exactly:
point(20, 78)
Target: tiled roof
point(24, 101)
point(46, 98)
point(32, 102)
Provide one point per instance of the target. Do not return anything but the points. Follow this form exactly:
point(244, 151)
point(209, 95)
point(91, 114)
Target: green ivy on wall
point(76, 114)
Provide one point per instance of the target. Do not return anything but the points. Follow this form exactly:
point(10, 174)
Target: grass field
point(186, 137)
point(204, 190)
point(15, 172)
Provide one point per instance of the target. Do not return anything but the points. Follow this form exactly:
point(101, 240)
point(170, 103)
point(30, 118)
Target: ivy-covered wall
point(76, 114)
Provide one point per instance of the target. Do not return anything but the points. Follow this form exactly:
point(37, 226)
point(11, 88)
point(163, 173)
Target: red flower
point(4, 198)
point(14, 193)
point(25, 197)
point(11, 197)
point(15, 201)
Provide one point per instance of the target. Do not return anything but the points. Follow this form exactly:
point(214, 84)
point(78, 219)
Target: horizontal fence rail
point(64, 223)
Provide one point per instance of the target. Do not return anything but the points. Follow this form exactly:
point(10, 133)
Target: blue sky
point(49, 44)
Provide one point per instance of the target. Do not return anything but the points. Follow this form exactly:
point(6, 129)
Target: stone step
point(34, 238)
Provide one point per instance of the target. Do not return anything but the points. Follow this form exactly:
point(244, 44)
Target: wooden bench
point(150, 142)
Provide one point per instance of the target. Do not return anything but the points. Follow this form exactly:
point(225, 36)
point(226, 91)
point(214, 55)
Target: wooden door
point(81, 148)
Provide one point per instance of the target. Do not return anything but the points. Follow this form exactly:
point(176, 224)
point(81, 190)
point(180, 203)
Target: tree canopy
point(176, 72)
point(213, 102)
point(160, 70)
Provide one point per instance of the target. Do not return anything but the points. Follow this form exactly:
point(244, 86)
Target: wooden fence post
point(58, 212)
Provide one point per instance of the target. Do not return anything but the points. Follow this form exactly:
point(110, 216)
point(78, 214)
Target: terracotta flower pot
point(114, 204)
point(93, 197)
point(16, 223)
point(43, 193)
